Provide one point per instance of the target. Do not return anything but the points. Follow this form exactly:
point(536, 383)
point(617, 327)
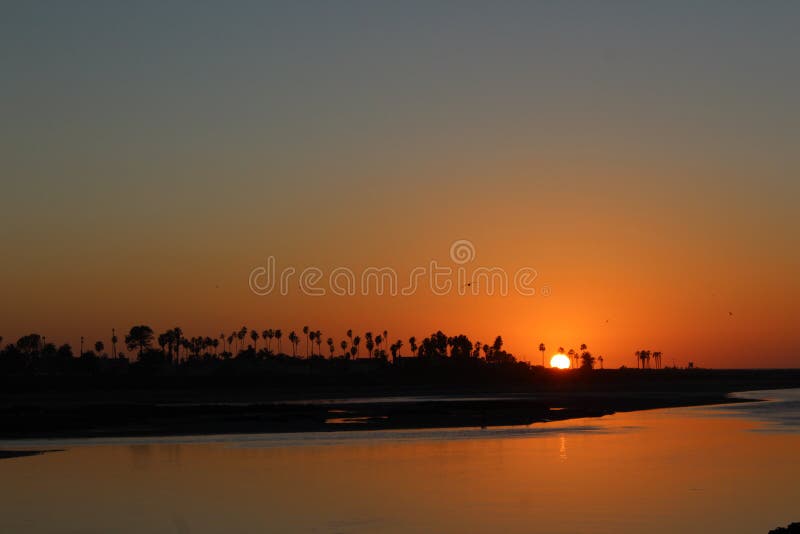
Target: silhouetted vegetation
point(250, 351)
point(250, 356)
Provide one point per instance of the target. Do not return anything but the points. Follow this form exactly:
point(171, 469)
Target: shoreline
point(7, 454)
point(243, 407)
point(336, 416)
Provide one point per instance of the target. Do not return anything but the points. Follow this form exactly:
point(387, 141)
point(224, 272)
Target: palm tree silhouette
point(270, 335)
point(164, 340)
point(412, 344)
point(356, 343)
point(343, 344)
point(305, 331)
point(178, 333)
point(600, 361)
point(572, 357)
point(657, 358)
point(542, 348)
point(140, 337)
point(240, 335)
point(254, 336)
point(98, 347)
point(294, 341)
point(278, 336)
point(370, 344)
point(329, 341)
point(318, 339)
point(114, 342)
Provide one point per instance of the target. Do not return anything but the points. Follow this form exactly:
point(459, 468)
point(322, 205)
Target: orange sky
point(643, 165)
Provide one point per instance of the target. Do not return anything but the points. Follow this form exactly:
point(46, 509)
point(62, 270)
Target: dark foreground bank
point(184, 408)
point(6, 454)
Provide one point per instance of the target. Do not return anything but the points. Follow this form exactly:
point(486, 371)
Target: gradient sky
point(642, 156)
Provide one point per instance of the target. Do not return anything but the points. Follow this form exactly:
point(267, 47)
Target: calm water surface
point(723, 469)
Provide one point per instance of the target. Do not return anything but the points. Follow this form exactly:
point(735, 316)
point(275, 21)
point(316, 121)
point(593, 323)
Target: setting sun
point(559, 361)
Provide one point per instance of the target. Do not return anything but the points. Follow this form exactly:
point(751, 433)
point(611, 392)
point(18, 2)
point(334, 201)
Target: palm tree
point(240, 335)
point(318, 339)
point(270, 334)
point(293, 339)
point(572, 357)
point(644, 356)
point(222, 337)
point(600, 360)
point(312, 335)
point(542, 348)
point(399, 344)
point(356, 343)
point(638, 354)
point(114, 342)
point(98, 346)
point(412, 343)
point(278, 336)
point(329, 341)
point(476, 350)
point(657, 358)
point(178, 333)
point(370, 343)
point(140, 337)
point(305, 331)
point(254, 336)
point(343, 344)
point(561, 350)
point(163, 341)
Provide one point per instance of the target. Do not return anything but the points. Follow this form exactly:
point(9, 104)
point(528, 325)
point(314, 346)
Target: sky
point(640, 156)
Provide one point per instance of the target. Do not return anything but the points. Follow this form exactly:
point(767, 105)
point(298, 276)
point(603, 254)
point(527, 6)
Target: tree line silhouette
point(172, 348)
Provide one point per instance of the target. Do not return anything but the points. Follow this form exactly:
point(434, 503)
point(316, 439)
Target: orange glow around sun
point(559, 361)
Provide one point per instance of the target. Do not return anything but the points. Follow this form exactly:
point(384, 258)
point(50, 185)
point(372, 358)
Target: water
point(718, 469)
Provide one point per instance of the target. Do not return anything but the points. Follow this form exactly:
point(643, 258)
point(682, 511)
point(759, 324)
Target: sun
point(559, 361)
